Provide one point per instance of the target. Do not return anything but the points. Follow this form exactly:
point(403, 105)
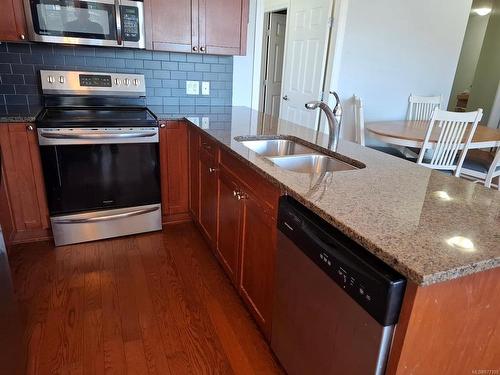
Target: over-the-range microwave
point(116, 23)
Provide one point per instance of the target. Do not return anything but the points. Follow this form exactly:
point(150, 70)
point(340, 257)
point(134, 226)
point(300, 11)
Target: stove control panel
point(60, 82)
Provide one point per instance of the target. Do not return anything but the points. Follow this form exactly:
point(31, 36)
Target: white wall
point(469, 56)
point(390, 48)
point(396, 47)
point(487, 77)
point(243, 65)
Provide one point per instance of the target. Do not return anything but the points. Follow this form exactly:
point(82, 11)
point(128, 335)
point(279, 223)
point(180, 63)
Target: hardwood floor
point(149, 304)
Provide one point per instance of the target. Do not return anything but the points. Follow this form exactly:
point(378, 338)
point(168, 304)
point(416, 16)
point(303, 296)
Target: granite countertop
point(403, 213)
point(17, 119)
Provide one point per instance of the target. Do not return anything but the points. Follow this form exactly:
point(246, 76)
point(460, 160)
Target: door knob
point(202, 49)
point(285, 97)
point(212, 170)
point(22, 36)
point(195, 48)
point(30, 128)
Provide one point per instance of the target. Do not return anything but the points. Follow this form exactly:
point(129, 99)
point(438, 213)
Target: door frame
point(264, 56)
point(494, 119)
point(337, 33)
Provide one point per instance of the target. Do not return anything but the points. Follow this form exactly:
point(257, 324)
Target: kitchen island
point(442, 233)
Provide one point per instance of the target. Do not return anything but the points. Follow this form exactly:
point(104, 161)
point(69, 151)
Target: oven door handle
point(107, 217)
point(62, 135)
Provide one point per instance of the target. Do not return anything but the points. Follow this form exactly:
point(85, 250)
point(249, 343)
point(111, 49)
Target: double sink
point(297, 157)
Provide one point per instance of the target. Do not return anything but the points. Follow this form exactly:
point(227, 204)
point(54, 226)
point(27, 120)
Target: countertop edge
point(422, 281)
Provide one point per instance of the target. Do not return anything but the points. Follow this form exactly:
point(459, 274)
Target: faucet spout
point(333, 121)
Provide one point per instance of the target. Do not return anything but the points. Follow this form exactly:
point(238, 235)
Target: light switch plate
point(205, 88)
point(192, 87)
point(205, 123)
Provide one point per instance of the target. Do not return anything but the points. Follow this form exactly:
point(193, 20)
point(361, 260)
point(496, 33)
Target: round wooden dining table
point(412, 133)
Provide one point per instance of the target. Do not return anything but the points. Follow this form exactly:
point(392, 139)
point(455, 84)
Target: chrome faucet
point(334, 119)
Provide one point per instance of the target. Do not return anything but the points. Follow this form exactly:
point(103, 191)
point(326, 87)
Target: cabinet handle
point(195, 49)
point(235, 193)
point(212, 170)
point(162, 125)
point(241, 196)
point(202, 49)
point(22, 36)
point(30, 128)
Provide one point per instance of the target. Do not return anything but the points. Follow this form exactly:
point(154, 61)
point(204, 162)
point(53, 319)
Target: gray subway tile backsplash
point(165, 72)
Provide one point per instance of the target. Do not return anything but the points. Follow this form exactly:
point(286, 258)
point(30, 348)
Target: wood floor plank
point(136, 360)
point(114, 350)
point(155, 303)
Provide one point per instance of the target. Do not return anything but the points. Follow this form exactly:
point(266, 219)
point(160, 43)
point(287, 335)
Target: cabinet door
point(174, 171)
point(194, 173)
point(208, 198)
point(12, 21)
point(223, 26)
point(24, 181)
point(174, 25)
point(229, 228)
point(258, 251)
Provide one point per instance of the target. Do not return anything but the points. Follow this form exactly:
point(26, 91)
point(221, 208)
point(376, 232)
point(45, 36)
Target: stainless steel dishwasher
point(336, 304)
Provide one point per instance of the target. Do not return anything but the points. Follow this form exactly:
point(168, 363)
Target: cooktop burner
point(96, 117)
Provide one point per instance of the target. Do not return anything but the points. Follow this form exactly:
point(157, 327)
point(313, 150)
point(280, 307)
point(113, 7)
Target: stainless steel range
point(100, 155)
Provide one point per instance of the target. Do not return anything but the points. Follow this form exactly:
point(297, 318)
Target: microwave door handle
point(119, 39)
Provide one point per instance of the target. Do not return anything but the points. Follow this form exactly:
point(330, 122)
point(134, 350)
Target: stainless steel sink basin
point(277, 147)
point(312, 163)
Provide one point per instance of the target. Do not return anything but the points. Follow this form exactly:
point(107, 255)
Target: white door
point(274, 70)
point(305, 59)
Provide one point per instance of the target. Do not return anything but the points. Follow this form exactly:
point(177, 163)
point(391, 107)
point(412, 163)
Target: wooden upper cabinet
point(173, 23)
point(223, 26)
point(199, 26)
point(12, 21)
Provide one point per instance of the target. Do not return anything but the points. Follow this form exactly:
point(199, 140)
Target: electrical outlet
point(192, 87)
point(205, 123)
point(205, 88)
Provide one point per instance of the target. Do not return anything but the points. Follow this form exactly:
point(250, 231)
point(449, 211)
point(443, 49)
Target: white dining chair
point(482, 166)
point(449, 151)
point(422, 107)
point(359, 121)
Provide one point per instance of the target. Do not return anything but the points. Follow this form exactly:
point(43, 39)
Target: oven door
point(90, 22)
point(87, 172)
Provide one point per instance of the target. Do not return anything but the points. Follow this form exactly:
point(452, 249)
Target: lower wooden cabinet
point(208, 196)
point(174, 159)
point(258, 252)
point(23, 184)
point(229, 224)
point(194, 172)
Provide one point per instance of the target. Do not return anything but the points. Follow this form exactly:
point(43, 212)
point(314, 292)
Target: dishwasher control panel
point(374, 285)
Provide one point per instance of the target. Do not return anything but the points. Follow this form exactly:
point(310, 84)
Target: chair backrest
point(492, 172)
point(422, 107)
point(359, 120)
point(452, 139)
